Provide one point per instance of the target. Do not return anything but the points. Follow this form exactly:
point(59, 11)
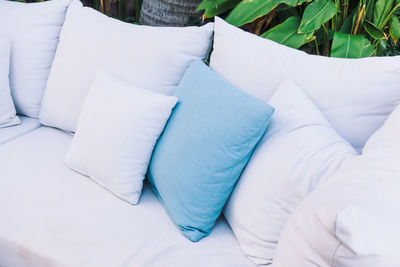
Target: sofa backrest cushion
point(7, 110)
point(298, 151)
point(355, 95)
point(352, 219)
point(152, 58)
point(207, 142)
point(33, 30)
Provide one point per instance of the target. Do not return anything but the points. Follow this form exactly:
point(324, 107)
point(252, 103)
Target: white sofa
point(27, 125)
point(51, 215)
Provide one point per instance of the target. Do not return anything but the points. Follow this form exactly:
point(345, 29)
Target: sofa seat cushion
point(53, 216)
point(27, 125)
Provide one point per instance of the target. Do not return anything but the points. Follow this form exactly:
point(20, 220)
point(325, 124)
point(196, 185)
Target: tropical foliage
point(337, 28)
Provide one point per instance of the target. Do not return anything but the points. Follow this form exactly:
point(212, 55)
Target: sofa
point(311, 142)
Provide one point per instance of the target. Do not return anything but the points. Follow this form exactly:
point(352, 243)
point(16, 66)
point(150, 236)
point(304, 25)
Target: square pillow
point(298, 151)
point(349, 92)
point(206, 144)
point(151, 58)
point(7, 110)
point(352, 218)
point(33, 30)
point(117, 130)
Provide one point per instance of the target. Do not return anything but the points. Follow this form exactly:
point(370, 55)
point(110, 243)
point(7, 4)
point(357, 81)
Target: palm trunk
point(167, 12)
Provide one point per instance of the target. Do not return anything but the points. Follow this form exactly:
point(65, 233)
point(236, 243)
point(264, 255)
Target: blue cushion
point(207, 142)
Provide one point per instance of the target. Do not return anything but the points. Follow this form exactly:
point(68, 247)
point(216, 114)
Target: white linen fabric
point(33, 30)
point(352, 219)
point(117, 130)
point(298, 151)
point(152, 58)
point(50, 216)
point(27, 125)
point(8, 115)
point(349, 92)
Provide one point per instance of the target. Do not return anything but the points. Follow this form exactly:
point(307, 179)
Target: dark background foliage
point(125, 10)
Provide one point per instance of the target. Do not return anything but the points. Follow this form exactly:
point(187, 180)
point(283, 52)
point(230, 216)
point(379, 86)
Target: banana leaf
point(395, 29)
point(213, 8)
point(286, 33)
point(348, 24)
point(248, 11)
point(381, 11)
point(316, 14)
point(351, 46)
point(374, 31)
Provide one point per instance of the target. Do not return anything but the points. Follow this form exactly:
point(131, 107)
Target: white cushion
point(117, 130)
point(7, 110)
point(349, 92)
point(352, 219)
point(27, 125)
point(152, 58)
point(33, 30)
point(298, 151)
point(52, 216)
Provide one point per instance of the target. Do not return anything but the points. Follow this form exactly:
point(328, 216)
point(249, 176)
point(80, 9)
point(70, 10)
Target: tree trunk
point(167, 12)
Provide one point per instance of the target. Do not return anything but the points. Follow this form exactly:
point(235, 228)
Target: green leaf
point(347, 26)
point(213, 8)
point(381, 48)
point(373, 31)
point(370, 10)
point(382, 9)
point(351, 46)
point(249, 10)
point(316, 14)
point(394, 12)
point(286, 33)
point(395, 29)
